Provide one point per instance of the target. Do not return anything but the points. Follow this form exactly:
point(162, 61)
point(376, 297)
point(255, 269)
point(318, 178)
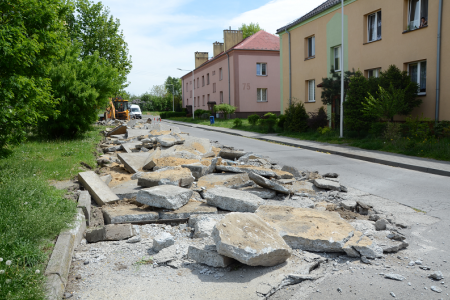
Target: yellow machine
point(118, 109)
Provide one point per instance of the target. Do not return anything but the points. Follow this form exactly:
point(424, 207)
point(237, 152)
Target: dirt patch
point(118, 173)
point(216, 151)
point(173, 162)
point(157, 132)
point(206, 161)
point(199, 147)
point(350, 215)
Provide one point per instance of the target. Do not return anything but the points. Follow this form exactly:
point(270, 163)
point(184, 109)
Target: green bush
point(319, 119)
point(237, 122)
point(324, 130)
point(377, 129)
point(392, 131)
point(442, 129)
point(200, 112)
point(296, 117)
point(171, 114)
point(281, 121)
point(253, 119)
point(417, 128)
point(269, 121)
point(226, 109)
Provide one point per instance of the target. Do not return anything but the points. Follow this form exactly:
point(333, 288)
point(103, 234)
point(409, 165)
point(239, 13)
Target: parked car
point(135, 112)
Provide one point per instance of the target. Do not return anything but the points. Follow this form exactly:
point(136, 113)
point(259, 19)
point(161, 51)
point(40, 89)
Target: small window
point(417, 14)
point(311, 90)
point(221, 97)
point(207, 79)
point(203, 80)
point(374, 27)
point(214, 73)
point(208, 98)
point(198, 82)
point(220, 74)
point(337, 58)
point(311, 46)
point(261, 95)
point(373, 73)
point(203, 100)
point(191, 94)
point(418, 73)
point(261, 69)
point(214, 87)
point(187, 87)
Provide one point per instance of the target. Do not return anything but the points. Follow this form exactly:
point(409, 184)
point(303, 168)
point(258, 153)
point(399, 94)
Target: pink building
point(244, 73)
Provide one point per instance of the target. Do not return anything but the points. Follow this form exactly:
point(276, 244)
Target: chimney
point(217, 48)
point(200, 58)
point(232, 37)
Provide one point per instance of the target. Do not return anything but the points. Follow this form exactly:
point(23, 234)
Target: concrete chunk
point(231, 154)
point(232, 200)
point(150, 162)
point(165, 196)
point(191, 208)
point(101, 193)
point(267, 183)
point(128, 213)
point(131, 133)
point(106, 179)
point(162, 241)
point(176, 176)
point(208, 255)
point(166, 140)
point(127, 190)
point(133, 162)
point(227, 180)
point(327, 184)
point(84, 202)
point(95, 234)
point(121, 129)
point(117, 232)
point(260, 192)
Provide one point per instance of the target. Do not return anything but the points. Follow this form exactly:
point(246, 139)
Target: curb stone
point(58, 267)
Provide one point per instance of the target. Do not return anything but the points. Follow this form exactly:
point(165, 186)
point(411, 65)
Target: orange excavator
point(118, 108)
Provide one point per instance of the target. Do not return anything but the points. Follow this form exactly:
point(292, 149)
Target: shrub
point(442, 129)
point(296, 117)
point(417, 128)
point(171, 114)
point(281, 121)
point(319, 119)
point(377, 129)
point(392, 131)
point(253, 119)
point(237, 122)
point(386, 105)
point(324, 130)
point(269, 120)
point(200, 112)
point(226, 109)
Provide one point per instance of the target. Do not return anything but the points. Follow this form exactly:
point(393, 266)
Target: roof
point(322, 7)
point(262, 41)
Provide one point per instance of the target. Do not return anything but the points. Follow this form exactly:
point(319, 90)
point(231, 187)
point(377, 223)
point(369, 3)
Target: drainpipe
point(290, 71)
point(438, 64)
point(229, 88)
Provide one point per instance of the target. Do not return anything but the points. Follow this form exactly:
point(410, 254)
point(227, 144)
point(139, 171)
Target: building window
point(261, 69)
point(374, 27)
point(207, 79)
point(214, 87)
point(337, 58)
point(417, 14)
point(203, 100)
point(198, 82)
point(187, 87)
point(194, 84)
point(203, 80)
point(208, 98)
point(261, 95)
point(311, 90)
point(312, 46)
point(418, 73)
point(191, 94)
point(221, 97)
point(214, 73)
point(220, 74)
point(373, 73)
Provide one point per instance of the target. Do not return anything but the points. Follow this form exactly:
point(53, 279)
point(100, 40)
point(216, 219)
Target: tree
point(296, 117)
point(332, 86)
point(176, 82)
point(249, 29)
point(226, 109)
point(97, 31)
point(84, 86)
point(388, 103)
point(31, 36)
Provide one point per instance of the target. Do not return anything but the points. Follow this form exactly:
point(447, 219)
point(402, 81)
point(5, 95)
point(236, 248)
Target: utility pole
point(342, 74)
point(173, 97)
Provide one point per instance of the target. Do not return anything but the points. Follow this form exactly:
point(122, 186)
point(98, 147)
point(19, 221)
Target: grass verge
point(32, 213)
point(429, 148)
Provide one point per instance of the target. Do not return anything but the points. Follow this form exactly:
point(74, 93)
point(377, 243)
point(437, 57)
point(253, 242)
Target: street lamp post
point(342, 74)
point(173, 98)
point(193, 91)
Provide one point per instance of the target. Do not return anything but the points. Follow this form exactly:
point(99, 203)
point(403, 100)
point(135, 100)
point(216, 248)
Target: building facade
point(377, 34)
point(243, 72)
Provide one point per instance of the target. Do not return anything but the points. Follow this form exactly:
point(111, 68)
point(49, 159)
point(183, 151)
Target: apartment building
point(242, 72)
point(377, 34)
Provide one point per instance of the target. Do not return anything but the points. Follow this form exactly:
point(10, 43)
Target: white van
point(135, 112)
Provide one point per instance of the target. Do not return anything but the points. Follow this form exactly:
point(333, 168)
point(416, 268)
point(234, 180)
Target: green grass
point(430, 148)
point(153, 113)
point(31, 212)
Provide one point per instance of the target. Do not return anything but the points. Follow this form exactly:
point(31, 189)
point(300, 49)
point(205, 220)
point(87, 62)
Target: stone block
point(133, 162)
point(176, 176)
point(101, 193)
point(327, 184)
point(231, 154)
point(128, 189)
point(165, 196)
point(260, 192)
point(84, 202)
point(227, 180)
point(191, 208)
point(121, 129)
point(232, 200)
point(128, 213)
point(95, 234)
point(106, 179)
point(162, 241)
point(208, 255)
point(150, 161)
point(267, 183)
point(117, 232)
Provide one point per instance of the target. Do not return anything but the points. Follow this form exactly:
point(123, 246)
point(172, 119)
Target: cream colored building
point(377, 34)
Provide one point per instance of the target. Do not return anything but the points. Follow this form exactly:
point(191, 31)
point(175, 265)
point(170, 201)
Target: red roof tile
point(261, 40)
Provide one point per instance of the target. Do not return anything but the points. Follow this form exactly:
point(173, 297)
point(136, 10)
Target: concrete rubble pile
point(243, 206)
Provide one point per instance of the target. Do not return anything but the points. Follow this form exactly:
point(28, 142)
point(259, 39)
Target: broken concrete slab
point(362, 225)
point(267, 183)
point(308, 229)
point(121, 129)
point(231, 154)
point(250, 240)
point(171, 253)
point(191, 208)
point(199, 170)
point(150, 162)
point(129, 147)
point(84, 202)
point(294, 171)
point(106, 179)
point(166, 140)
point(247, 169)
point(128, 213)
point(232, 200)
point(260, 192)
point(360, 245)
point(201, 145)
point(327, 184)
point(382, 238)
point(162, 241)
point(209, 256)
point(101, 193)
point(118, 232)
point(134, 133)
point(227, 180)
point(177, 176)
point(133, 162)
point(302, 187)
point(348, 204)
point(165, 196)
point(95, 234)
point(127, 190)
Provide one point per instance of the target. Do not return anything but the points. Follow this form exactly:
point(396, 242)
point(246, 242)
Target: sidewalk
point(391, 159)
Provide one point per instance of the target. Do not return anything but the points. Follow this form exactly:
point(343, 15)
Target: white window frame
point(312, 42)
point(340, 58)
point(375, 73)
point(260, 69)
point(261, 100)
point(220, 74)
point(376, 27)
point(313, 83)
point(419, 13)
point(419, 65)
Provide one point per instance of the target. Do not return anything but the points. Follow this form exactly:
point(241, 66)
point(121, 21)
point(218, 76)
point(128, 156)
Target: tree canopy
point(249, 29)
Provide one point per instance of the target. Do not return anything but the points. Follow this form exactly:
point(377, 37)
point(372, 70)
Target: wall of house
point(395, 47)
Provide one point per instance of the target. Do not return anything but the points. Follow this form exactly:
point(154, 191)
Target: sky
point(163, 35)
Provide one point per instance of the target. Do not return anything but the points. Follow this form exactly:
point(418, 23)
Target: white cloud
point(276, 13)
